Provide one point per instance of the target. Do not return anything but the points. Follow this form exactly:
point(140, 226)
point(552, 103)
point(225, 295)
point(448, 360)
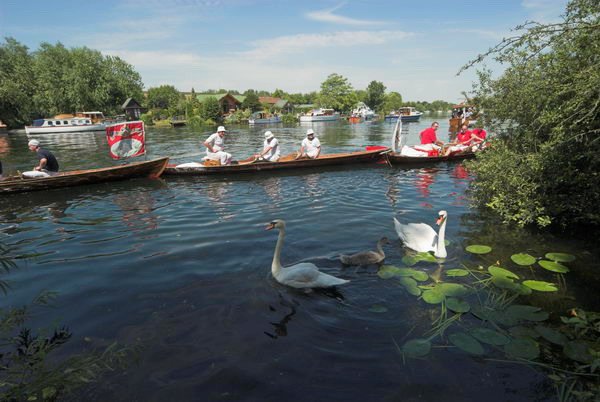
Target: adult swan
point(422, 237)
point(303, 275)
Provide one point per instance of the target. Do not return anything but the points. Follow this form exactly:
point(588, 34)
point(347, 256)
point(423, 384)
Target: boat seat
point(206, 161)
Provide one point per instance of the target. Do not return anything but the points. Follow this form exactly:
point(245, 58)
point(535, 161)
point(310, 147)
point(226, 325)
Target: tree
point(17, 88)
point(543, 168)
point(375, 95)
point(211, 109)
point(251, 102)
point(391, 101)
point(163, 97)
point(336, 93)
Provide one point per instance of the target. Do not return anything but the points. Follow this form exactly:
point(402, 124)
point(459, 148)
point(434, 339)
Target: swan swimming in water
point(303, 275)
point(421, 237)
point(366, 257)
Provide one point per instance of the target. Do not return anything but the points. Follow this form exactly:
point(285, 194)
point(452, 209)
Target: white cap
point(309, 132)
point(33, 143)
point(221, 128)
point(268, 135)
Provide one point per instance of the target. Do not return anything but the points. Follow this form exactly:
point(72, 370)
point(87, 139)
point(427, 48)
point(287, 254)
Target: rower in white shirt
point(215, 145)
point(310, 147)
point(270, 152)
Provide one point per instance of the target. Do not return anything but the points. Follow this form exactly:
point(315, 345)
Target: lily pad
point(524, 348)
point(411, 286)
point(389, 271)
point(501, 272)
point(378, 308)
point(523, 332)
point(452, 289)
point(560, 257)
point(410, 260)
point(551, 335)
point(541, 286)
point(420, 276)
point(578, 351)
point(466, 342)
point(553, 266)
point(503, 282)
point(528, 313)
point(523, 259)
point(458, 305)
point(426, 257)
point(416, 347)
point(457, 272)
point(433, 296)
point(489, 336)
point(478, 249)
point(522, 289)
point(484, 315)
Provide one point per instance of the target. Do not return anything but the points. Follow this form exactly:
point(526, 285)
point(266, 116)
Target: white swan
point(422, 237)
point(303, 275)
point(366, 257)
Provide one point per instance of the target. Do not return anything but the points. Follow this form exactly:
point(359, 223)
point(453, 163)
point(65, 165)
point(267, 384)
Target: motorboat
point(320, 115)
point(407, 114)
point(363, 111)
point(263, 118)
point(63, 125)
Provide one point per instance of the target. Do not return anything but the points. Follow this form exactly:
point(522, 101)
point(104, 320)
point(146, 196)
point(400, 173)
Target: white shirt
point(311, 146)
point(274, 152)
point(216, 142)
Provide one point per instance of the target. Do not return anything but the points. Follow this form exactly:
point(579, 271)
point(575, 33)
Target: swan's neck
point(380, 247)
point(441, 246)
point(276, 265)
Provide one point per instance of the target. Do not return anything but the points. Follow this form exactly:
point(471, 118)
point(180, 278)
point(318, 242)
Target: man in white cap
point(311, 146)
point(215, 145)
point(270, 152)
point(48, 165)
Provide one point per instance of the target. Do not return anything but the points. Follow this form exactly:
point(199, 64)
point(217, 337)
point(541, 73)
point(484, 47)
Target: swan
point(302, 276)
point(366, 257)
point(422, 237)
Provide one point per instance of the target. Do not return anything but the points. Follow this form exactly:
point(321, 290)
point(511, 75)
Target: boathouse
point(229, 102)
point(132, 109)
point(278, 103)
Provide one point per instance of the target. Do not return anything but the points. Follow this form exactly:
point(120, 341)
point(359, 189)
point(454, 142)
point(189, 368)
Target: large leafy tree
point(16, 84)
point(375, 95)
point(251, 102)
point(163, 97)
point(543, 169)
point(210, 108)
point(391, 101)
point(336, 93)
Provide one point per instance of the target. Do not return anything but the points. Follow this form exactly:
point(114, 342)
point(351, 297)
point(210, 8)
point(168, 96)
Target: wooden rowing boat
point(396, 159)
point(287, 162)
point(151, 168)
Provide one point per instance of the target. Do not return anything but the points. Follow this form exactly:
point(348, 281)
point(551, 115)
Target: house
point(133, 110)
point(229, 102)
point(281, 104)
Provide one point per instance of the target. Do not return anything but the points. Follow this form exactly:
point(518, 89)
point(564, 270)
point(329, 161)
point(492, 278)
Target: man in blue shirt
point(48, 165)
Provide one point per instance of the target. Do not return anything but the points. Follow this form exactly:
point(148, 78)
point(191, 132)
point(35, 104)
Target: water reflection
point(280, 326)
point(272, 187)
point(217, 193)
point(138, 208)
point(311, 186)
point(424, 178)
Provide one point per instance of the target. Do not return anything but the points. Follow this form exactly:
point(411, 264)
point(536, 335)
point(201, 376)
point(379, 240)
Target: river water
point(181, 266)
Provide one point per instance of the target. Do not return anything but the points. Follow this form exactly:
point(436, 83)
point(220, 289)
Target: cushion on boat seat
point(189, 165)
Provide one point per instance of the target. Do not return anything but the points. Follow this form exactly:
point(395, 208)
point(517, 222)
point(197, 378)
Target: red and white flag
point(126, 139)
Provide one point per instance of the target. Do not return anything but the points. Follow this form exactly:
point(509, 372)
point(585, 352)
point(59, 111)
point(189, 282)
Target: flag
point(126, 139)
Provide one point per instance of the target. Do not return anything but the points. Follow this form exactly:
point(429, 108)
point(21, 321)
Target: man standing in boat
point(215, 145)
point(311, 146)
point(48, 165)
point(270, 152)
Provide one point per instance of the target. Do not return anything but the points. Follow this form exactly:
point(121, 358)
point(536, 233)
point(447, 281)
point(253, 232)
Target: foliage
point(251, 102)
point(289, 118)
point(375, 95)
point(546, 106)
point(163, 97)
point(391, 101)
point(147, 118)
point(211, 109)
point(336, 93)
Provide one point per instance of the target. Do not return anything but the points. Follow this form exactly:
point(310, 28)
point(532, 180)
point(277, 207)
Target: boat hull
point(396, 159)
point(285, 163)
point(319, 118)
point(63, 129)
point(265, 121)
point(151, 168)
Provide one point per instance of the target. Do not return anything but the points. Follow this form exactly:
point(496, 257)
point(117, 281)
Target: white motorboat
point(263, 118)
point(320, 115)
point(363, 111)
point(64, 125)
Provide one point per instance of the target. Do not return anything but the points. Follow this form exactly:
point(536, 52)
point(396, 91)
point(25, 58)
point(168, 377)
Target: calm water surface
point(182, 267)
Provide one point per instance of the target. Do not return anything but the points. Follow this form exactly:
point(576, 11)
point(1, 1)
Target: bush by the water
point(289, 118)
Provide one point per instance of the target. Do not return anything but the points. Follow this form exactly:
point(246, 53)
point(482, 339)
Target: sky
point(414, 47)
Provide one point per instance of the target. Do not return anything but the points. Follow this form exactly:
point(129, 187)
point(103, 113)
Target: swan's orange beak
point(269, 226)
point(440, 220)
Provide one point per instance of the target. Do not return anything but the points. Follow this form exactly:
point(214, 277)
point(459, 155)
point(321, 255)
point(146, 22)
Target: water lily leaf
point(451, 289)
point(529, 313)
point(484, 315)
point(466, 342)
point(524, 348)
point(541, 286)
point(489, 336)
point(411, 286)
point(551, 335)
point(458, 305)
point(523, 332)
point(389, 271)
point(433, 296)
point(503, 282)
point(503, 318)
point(420, 276)
point(378, 308)
point(457, 272)
point(522, 289)
point(553, 266)
point(416, 347)
point(410, 260)
point(501, 272)
point(478, 249)
point(523, 259)
point(560, 257)
point(578, 351)
point(426, 257)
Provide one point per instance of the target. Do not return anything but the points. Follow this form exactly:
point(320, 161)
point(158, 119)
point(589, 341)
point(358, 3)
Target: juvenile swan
point(422, 237)
point(303, 275)
point(366, 257)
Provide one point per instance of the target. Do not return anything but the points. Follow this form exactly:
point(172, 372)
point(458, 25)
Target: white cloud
point(328, 16)
point(482, 33)
point(545, 10)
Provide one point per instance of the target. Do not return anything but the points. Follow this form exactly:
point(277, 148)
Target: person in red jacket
point(462, 142)
point(428, 136)
point(478, 135)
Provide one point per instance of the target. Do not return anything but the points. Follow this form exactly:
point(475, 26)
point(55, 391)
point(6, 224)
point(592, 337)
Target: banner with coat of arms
point(126, 140)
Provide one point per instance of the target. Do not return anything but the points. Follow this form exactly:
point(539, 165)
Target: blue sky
point(413, 47)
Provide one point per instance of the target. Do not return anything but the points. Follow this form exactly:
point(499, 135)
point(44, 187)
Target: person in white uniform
point(270, 152)
point(215, 145)
point(310, 147)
